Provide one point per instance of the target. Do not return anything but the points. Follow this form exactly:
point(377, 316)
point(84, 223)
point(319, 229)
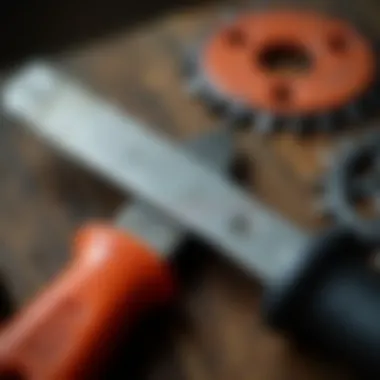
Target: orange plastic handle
point(71, 327)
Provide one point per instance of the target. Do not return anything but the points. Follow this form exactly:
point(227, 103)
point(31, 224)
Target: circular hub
point(289, 62)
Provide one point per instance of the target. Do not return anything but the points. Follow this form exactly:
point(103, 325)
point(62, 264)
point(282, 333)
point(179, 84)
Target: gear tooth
point(228, 115)
point(228, 15)
point(251, 120)
point(353, 112)
point(374, 96)
point(196, 86)
point(365, 103)
point(346, 145)
point(236, 109)
point(186, 69)
point(326, 122)
point(373, 100)
point(341, 118)
point(300, 125)
point(206, 95)
point(265, 123)
point(295, 124)
point(201, 92)
point(280, 123)
point(311, 124)
point(216, 106)
point(326, 157)
point(322, 208)
point(319, 186)
point(336, 121)
point(188, 61)
point(240, 114)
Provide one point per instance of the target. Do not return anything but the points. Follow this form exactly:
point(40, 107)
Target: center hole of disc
point(285, 59)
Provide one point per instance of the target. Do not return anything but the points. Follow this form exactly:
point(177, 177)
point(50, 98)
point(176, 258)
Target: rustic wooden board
point(215, 331)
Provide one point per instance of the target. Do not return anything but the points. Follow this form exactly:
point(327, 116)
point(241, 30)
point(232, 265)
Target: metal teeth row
point(265, 122)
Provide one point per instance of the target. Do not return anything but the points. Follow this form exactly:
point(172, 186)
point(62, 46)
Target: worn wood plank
point(215, 331)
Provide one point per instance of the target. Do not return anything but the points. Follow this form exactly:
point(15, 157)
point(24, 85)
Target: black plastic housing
point(331, 302)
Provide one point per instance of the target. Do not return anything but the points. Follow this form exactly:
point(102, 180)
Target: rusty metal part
point(327, 77)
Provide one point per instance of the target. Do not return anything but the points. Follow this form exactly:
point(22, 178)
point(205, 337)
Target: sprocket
point(232, 71)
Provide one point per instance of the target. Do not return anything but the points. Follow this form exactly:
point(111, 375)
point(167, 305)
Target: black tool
point(330, 301)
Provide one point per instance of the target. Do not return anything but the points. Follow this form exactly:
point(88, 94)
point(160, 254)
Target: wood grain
point(215, 331)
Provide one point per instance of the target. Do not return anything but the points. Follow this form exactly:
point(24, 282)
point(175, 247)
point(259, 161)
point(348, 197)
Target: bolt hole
point(337, 43)
point(282, 94)
point(236, 38)
point(285, 59)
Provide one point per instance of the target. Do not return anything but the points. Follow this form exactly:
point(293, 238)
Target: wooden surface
point(214, 332)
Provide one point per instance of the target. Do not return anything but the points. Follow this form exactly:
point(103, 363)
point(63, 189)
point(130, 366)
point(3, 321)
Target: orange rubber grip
point(72, 326)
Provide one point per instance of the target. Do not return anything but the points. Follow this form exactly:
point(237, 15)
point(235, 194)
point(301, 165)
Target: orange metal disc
point(342, 62)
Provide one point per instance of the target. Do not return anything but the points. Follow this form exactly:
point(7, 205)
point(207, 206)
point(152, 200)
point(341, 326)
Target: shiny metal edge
point(140, 161)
